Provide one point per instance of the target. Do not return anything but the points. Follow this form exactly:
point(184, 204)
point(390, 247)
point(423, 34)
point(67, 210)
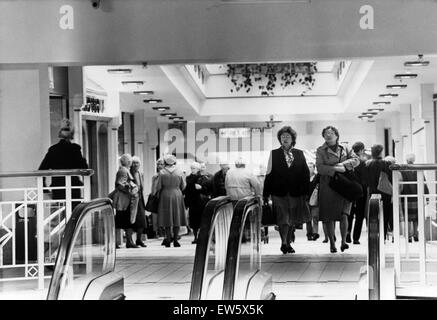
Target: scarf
point(289, 158)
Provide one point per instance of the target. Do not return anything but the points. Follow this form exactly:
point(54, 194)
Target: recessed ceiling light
point(161, 108)
point(119, 71)
point(132, 82)
point(388, 95)
point(405, 75)
point(369, 113)
point(382, 102)
point(418, 63)
point(369, 120)
point(176, 118)
point(365, 116)
point(168, 114)
point(396, 86)
point(375, 109)
point(152, 101)
point(144, 92)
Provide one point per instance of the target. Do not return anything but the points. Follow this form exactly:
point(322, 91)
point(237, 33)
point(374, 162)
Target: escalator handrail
point(67, 241)
point(242, 208)
point(207, 228)
point(374, 262)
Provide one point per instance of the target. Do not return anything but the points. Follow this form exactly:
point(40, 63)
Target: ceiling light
point(405, 76)
point(161, 108)
point(132, 82)
point(396, 86)
point(176, 118)
point(152, 101)
point(417, 63)
point(179, 121)
point(144, 92)
point(168, 114)
point(369, 120)
point(365, 116)
point(119, 71)
point(369, 113)
point(388, 95)
point(375, 109)
point(382, 102)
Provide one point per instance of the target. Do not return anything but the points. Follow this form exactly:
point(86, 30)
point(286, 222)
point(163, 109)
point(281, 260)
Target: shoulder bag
point(346, 184)
point(384, 184)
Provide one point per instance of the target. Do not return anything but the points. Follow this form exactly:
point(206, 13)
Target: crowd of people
point(299, 191)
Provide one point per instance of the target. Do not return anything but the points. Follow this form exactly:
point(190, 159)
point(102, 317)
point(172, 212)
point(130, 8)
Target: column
point(405, 130)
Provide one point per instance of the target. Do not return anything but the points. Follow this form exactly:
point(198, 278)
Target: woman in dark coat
point(64, 155)
point(171, 208)
point(331, 158)
point(287, 181)
point(192, 199)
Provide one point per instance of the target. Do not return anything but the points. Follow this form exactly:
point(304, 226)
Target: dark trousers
point(387, 206)
point(358, 211)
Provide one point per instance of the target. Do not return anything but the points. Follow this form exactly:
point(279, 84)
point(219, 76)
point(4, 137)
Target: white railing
point(32, 221)
point(415, 262)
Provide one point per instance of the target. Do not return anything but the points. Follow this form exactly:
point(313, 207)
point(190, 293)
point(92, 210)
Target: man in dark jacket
point(218, 181)
point(358, 207)
point(64, 155)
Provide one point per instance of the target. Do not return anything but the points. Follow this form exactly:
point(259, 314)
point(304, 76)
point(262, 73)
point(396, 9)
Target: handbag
point(152, 203)
point(268, 216)
point(384, 184)
point(314, 199)
point(347, 185)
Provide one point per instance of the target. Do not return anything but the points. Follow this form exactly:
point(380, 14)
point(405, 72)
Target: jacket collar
point(326, 147)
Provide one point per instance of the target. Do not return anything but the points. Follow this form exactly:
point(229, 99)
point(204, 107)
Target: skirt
point(290, 210)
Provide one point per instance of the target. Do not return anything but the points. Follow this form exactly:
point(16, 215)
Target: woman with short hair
point(171, 208)
point(331, 158)
point(139, 225)
point(287, 181)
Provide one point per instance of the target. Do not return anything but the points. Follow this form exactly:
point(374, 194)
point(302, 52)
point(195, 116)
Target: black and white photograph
point(242, 152)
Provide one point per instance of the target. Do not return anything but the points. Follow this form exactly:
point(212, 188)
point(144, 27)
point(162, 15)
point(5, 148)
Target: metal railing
point(415, 263)
point(211, 245)
point(87, 250)
point(32, 221)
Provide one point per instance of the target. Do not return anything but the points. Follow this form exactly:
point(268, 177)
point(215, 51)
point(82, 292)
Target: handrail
point(67, 242)
point(207, 227)
point(374, 263)
point(241, 210)
point(410, 167)
point(47, 173)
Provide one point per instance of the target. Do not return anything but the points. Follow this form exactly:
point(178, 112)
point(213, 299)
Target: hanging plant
point(243, 76)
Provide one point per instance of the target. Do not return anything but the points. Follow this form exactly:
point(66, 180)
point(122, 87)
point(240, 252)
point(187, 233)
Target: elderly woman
point(159, 167)
point(331, 157)
point(126, 199)
point(287, 181)
point(192, 199)
point(171, 209)
point(139, 225)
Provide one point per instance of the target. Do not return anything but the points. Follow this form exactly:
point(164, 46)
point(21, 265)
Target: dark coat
point(196, 200)
point(282, 180)
point(218, 184)
point(373, 170)
point(64, 155)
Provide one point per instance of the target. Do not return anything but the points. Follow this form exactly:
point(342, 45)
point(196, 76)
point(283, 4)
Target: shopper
point(331, 158)
point(218, 181)
point(139, 225)
point(287, 182)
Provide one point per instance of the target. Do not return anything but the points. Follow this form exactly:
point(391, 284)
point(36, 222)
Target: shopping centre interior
point(150, 78)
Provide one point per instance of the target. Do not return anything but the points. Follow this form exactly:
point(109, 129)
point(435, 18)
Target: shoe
point(325, 241)
point(315, 236)
point(194, 241)
point(410, 239)
point(356, 242)
point(333, 250)
point(141, 244)
point(176, 244)
point(165, 242)
point(131, 245)
point(117, 246)
point(290, 249)
point(344, 247)
point(310, 237)
point(416, 238)
point(284, 248)
point(348, 238)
